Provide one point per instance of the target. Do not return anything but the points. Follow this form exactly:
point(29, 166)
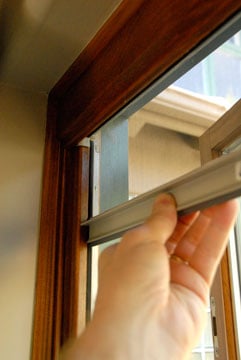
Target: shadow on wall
point(22, 132)
point(8, 21)
point(30, 49)
point(39, 40)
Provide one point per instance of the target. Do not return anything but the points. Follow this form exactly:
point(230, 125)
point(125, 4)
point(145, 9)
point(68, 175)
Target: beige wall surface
point(22, 132)
point(158, 155)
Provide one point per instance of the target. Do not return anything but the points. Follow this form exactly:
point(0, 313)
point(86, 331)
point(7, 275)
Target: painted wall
point(22, 132)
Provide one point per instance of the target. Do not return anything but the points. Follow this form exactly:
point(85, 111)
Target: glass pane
point(137, 155)
point(208, 337)
point(228, 84)
point(196, 356)
point(186, 81)
point(218, 75)
point(158, 155)
point(114, 164)
point(209, 356)
point(157, 143)
point(95, 253)
point(160, 143)
point(205, 344)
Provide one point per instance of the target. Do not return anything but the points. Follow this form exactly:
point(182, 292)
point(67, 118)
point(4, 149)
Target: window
point(224, 136)
point(108, 225)
point(77, 107)
point(122, 142)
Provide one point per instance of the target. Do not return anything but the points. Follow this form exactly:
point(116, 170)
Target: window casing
point(74, 113)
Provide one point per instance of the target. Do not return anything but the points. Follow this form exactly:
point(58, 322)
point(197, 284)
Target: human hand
point(154, 285)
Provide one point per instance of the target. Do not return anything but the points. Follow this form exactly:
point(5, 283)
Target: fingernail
point(165, 199)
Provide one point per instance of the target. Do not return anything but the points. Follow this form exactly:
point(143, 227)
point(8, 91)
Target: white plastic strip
point(214, 182)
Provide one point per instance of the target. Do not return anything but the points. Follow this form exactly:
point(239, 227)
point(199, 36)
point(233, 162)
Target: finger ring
point(178, 259)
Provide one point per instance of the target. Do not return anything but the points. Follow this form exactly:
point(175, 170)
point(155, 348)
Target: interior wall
point(22, 132)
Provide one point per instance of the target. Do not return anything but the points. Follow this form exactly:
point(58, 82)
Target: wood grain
point(60, 296)
point(46, 328)
point(148, 41)
point(116, 21)
point(139, 43)
point(76, 173)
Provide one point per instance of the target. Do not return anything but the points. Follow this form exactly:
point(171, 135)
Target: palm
point(183, 319)
point(164, 284)
point(195, 248)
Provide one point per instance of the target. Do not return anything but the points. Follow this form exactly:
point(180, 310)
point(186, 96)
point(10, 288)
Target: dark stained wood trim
point(130, 55)
point(60, 295)
point(116, 21)
point(46, 327)
point(75, 247)
point(140, 42)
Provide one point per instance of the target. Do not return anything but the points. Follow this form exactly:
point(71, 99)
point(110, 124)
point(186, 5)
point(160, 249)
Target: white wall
point(22, 132)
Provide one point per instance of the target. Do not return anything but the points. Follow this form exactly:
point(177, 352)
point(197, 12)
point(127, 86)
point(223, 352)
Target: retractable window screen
point(217, 181)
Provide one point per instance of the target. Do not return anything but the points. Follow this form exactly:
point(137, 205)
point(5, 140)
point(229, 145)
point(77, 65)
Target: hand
point(154, 285)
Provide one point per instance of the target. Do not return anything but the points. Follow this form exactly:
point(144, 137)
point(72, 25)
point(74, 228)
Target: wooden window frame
point(220, 135)
point(112, 70)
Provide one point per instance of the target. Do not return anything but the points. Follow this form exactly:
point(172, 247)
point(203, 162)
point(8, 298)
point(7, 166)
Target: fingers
point(163, 219)
point(192, 236)
point(209, 251)
point(202, 247)
point(183, 225)
point(159, 226)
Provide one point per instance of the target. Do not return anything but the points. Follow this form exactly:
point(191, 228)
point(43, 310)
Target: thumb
point(157, 228)
point(163, 219)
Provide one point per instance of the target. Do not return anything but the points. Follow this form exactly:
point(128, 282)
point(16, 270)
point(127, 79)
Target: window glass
point(196, 356)
point(219, 74)
point(209, 356)
point(204, 350)
point(158, 155)
point(95, 253)
point(186, 81)
point(160, 143)
point(113, 180)
point(138, 155)
point(208, 338)
point(227, 82)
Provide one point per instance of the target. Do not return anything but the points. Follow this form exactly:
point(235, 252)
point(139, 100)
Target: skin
point(154, 286)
